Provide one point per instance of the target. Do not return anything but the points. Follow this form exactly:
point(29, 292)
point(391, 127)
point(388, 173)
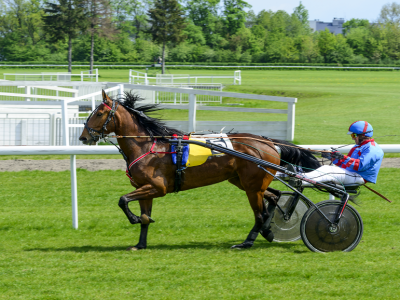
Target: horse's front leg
point(146, 192)
point(145, 209)
point(144, 195)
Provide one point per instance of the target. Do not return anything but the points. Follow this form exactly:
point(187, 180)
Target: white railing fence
point(33, 93)
point(53, 76)
point(182, 98)
point(136, 77)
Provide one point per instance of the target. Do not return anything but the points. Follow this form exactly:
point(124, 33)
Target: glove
point(332, 155)
point(336, 155)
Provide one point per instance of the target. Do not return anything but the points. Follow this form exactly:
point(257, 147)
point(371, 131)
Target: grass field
point(42, 257)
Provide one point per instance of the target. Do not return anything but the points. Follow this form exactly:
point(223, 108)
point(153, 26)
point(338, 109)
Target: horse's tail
point(296, 156)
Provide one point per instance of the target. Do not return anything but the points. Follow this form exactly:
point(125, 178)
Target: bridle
point(100, 133)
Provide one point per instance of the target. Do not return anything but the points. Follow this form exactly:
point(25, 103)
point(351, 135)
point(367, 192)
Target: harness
point(100, 133)
point(128, 168)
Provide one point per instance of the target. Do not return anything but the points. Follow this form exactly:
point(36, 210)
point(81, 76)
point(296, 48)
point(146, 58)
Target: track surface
point(101, 164)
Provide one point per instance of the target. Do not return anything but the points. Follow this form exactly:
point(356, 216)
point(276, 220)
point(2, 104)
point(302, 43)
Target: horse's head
point(96, 124)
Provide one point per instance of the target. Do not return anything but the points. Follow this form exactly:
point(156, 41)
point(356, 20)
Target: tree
point(235, 16)
point(301, 13)
point(100, 22)
point(167, 24)
point(65, 20)
point(204, 13)
point(21, 33)
point(131, 15)
point(354, 23)
point(390, 13)
point(326, 43)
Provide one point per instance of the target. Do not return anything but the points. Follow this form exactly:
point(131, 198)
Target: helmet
point(361, 127)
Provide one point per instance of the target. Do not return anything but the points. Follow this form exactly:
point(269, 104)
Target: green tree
point(341, 53)
point(100, 23)
point(390, 13)
point(130, 16)
point(326, 43)
point(65, 20)
point(204, 13)
point(21, 31)
point(301, 13)
point(308, 48)
point(354, 23)
point(235, 15)
point(167, 22)
point(357, 38)
point(194, 34)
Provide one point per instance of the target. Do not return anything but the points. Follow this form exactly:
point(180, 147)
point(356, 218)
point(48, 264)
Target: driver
point(360, 166)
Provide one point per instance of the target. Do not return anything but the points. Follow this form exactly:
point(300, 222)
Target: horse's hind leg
point(257, 204)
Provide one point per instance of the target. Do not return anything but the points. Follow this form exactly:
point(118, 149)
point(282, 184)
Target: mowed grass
point(188, 255)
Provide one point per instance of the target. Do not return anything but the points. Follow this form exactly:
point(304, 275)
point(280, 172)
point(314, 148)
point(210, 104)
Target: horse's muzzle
point(86, 141)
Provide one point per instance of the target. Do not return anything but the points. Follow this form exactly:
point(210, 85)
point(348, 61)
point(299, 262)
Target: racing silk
point(364, 159)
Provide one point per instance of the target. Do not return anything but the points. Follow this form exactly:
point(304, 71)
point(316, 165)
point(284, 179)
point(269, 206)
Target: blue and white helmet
point(361, 127)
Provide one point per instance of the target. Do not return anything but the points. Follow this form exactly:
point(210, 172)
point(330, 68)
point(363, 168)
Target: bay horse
point(153, 175)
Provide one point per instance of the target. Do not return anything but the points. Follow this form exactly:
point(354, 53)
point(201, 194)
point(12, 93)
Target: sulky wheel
point(287, 230)
point(319, 236)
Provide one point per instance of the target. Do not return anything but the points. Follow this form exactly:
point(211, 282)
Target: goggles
point(354, 135)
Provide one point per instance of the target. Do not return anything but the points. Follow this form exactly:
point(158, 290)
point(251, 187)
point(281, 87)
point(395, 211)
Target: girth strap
point(179, 169)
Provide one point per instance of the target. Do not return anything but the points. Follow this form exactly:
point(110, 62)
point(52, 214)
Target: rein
point(238, 137)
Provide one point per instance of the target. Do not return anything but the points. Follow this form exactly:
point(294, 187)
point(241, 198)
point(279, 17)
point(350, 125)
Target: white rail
point(160, 79)
point(45, 75)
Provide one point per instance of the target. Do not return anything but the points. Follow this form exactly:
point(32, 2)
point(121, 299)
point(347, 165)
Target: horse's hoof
point(268, 235)
point(242, 246)
point(135, 248)
point(145, 219)
point(132, 249)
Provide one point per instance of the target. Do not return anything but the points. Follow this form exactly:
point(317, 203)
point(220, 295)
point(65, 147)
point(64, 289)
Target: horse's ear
point(106, 99)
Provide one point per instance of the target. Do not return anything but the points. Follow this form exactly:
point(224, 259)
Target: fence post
point(93, 103)
point(24, 133)
point(130, 74)
point(290, 120)
point(81, 75)
point(121, 90)
point(192, 112)
point(97, 75)
point(64, 120)
point(53, 129)
point(146, 82)
point(74, 193)
point(27, 92)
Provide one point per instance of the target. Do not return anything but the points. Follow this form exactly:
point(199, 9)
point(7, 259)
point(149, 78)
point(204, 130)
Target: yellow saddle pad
point(198, 155)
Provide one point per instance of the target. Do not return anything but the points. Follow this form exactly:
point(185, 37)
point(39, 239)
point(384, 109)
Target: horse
point(152, 173)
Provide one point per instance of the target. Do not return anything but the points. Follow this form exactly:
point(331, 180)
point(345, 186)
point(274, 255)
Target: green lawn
point(42, 257)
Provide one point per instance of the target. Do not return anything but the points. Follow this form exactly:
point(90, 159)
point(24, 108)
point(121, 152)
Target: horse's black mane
point(153, 126)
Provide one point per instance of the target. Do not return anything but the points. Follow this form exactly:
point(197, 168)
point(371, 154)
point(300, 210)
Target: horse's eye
point(99, 114)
